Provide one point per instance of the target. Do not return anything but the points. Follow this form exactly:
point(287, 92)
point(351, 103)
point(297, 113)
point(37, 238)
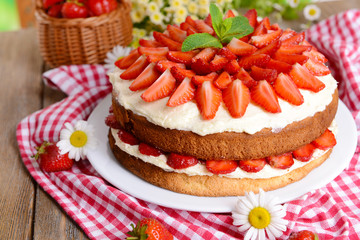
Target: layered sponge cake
point(257, 112)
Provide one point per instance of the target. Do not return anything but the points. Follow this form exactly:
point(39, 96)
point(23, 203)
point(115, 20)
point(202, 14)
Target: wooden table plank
point(20, 89)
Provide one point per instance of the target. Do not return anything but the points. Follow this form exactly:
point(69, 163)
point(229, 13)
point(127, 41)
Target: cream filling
point(200, 169)
point(187, 117)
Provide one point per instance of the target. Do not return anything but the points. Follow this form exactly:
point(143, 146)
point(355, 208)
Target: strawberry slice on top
point(183, 93)
point(236, 98)
point(135, 69)
point(264, 95)
point(208, 99)
point(304, 79)
point(161, 88)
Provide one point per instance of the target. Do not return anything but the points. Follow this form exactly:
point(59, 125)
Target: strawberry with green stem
point(149, 229)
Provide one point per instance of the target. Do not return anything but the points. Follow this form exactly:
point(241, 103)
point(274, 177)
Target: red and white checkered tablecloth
point(105, 212)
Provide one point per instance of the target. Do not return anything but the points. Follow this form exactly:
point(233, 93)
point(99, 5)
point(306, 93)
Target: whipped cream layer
point(200, 169)
point(187, 117)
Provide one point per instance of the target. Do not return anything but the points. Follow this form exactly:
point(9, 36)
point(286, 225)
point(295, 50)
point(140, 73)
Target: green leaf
point(240, 27)
point(216, 18)
point(200, 40)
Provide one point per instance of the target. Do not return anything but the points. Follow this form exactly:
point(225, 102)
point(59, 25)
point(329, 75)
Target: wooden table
point(26, 211)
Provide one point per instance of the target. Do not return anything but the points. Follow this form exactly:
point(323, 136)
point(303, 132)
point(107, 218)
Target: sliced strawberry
point(229, 14)
point(260, 29)
point(254, 165)
point(200, 66)
point(240, 48)
point(290, 58)
point(176, 33)
point(325, 141)
point(304, 153)
point(129, 59)
point(202, 27)
point(183, 93)
point(135, 69)
point(245, 77)
point(198, 80)
point(282, 161)
point(279, 66)
point(296, 39)
point(221, 166)
point(149, 43)
point(275, 27)
point(223, 80)
point(317, 68)
point(163, 65)
point(294, 49)
point(178, 161)
point(181, 73)
point(218, 63)
point(153, 51)
point(208, 20)
point(207, 54)
point(314, 54)
point(287, 90)
point(168, 42)
point(265, 39)
point(287, 33)
point(245, 38)
point(264, 95)
point(208, 99)
point(236, 98)
point(127, 137)
point(258, 74)
point(161, 88)
point(304, 79)
point(149, 150)
point(145, 79)
point(110, 121)
point(259, 60)
point(190, 21)
point(188, 28)
point(269, 49)
point(182, 57)
point(227, 53)
point(251, 15)
point(232, 67)
point(155, 59)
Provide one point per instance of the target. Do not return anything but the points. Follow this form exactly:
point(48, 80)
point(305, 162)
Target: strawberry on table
point(303, 235)
point(50, 159)
point(221, 166)
point(149, 229)
point(178, 161)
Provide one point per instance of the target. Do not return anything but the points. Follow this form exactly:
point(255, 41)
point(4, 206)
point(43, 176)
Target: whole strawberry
point(303, 235)
point(149, 229)
point(50, 158)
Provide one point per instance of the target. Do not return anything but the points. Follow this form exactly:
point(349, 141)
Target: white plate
point(108, 167)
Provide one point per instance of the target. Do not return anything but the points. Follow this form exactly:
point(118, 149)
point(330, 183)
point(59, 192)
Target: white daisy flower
point(160, 3)
point(156, 18)
point(152, 8)
point(137, 15)
point(260, 216)
point(204, 3)
point(178, 19)
point(312, 12)
point(192, 8)
point(293, 3)
point(203, 11)
point(181, 12)
point(115, 54)
point(176, 3)
point(76, 140)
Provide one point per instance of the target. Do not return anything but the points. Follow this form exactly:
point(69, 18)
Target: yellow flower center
point(312, 12)
point(78, 139)
point(259, 217)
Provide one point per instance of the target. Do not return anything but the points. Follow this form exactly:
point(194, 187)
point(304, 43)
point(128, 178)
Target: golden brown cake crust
point(228, 145)
point(211, 186)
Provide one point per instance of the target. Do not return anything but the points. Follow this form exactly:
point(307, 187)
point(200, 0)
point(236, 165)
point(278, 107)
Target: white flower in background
point(181, 12)
point(176, 3)
point(203, 11)
point(312, 12)
point(293, 3)
point(178, 20)
point(115, 54)
point(185, 2)
point(141, 33)
point(143, 2)
point(152, 8)
point(278, 7)
point(160, 3)
point(192, 8)
point(156, 18)
point(259, 215)
point(220, 3)
point(137, 15)
point(204, 3)
point(76, 140)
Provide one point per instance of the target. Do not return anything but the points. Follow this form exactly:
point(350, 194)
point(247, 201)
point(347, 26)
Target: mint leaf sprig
point(225, 30)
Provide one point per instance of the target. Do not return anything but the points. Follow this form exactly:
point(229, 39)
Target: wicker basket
point(82, 40)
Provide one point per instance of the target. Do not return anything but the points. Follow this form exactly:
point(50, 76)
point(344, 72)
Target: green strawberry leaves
point(225, 30)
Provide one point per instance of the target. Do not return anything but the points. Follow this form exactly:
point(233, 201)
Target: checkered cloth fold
point(105, 212)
